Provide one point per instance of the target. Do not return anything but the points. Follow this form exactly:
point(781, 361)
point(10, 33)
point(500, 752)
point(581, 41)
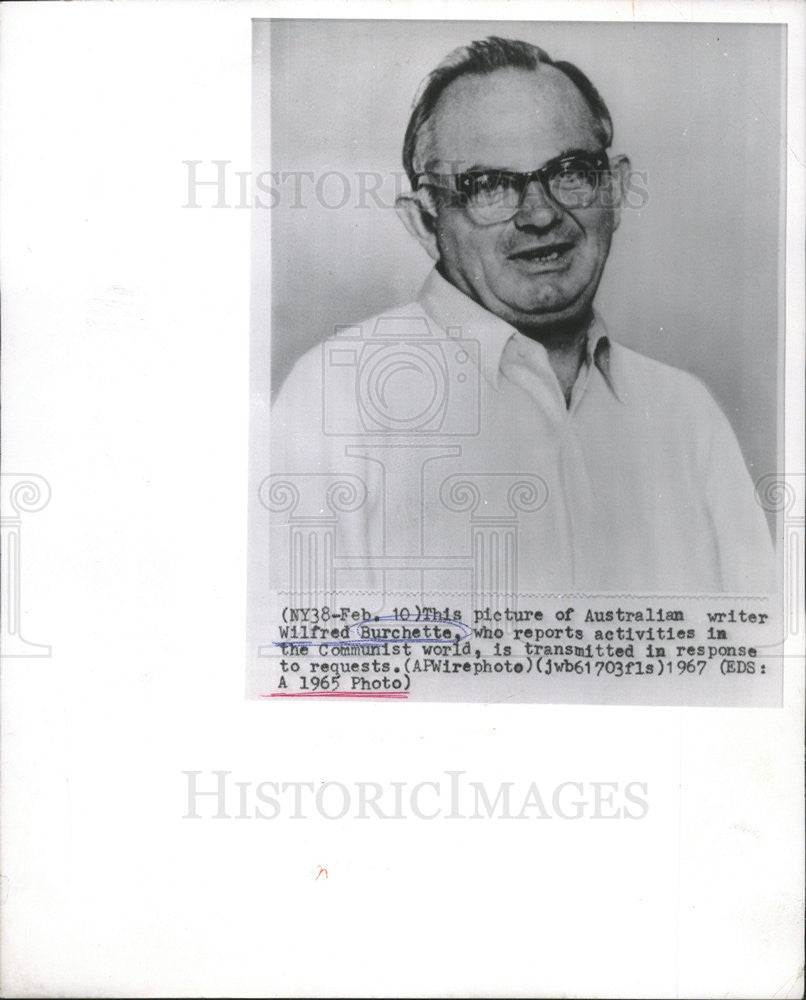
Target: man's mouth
point(548, 254)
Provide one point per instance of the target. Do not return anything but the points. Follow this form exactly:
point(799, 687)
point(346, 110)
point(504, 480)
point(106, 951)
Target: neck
point(565, 346)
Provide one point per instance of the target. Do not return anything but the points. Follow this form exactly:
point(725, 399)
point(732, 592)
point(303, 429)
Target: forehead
point(511, 118)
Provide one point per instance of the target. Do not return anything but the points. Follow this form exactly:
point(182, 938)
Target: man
point(491, 437)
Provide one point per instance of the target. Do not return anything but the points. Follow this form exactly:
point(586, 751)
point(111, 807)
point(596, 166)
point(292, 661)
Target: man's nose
point(537, 208)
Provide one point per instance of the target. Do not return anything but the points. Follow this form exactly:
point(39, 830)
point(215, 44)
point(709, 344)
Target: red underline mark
point(332, 694)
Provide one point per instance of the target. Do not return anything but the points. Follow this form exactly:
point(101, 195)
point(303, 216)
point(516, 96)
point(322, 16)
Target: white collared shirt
point(430, 449)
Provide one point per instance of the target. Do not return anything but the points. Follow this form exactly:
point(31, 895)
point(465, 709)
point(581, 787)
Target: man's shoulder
point(644, 378)
point(403, 322)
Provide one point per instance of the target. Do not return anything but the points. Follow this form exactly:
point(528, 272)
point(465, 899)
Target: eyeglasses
point(492, 196)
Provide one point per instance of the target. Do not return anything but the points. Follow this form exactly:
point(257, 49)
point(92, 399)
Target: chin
point(548, 304)
point(539, 304)
point(544, 319)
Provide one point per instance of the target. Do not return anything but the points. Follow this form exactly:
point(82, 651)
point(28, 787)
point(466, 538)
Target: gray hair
point(479, 59)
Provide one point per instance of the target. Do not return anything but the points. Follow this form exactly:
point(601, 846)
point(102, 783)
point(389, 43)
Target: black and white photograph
point(517, 320)
point(526, 310)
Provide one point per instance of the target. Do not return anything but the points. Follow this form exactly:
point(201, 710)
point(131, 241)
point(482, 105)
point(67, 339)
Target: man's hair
point(479, 59)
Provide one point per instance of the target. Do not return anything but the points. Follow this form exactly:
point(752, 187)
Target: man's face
point(540, 269)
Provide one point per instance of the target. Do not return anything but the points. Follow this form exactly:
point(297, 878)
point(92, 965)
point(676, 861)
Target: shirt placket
point(580, 502)
point(576, 504)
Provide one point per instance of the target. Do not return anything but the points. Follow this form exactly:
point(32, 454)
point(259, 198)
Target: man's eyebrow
point(476, 168)
point(564, 154)
point(575, 151)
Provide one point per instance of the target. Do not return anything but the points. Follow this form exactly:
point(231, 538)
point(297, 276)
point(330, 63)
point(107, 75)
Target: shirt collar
point(598, 351)
point(458, 315)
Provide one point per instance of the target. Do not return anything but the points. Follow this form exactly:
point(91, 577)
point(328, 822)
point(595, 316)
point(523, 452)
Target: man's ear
point(620, 169)
point(419, 221)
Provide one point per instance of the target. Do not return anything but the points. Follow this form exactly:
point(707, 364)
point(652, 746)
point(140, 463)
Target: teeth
point(542, 255)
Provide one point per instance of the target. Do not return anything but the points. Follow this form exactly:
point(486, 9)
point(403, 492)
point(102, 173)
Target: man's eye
point(574, 173)
point(484, 183)
point(489, 184)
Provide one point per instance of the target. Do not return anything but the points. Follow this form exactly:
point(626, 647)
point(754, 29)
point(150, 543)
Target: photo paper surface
point(292, 435)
